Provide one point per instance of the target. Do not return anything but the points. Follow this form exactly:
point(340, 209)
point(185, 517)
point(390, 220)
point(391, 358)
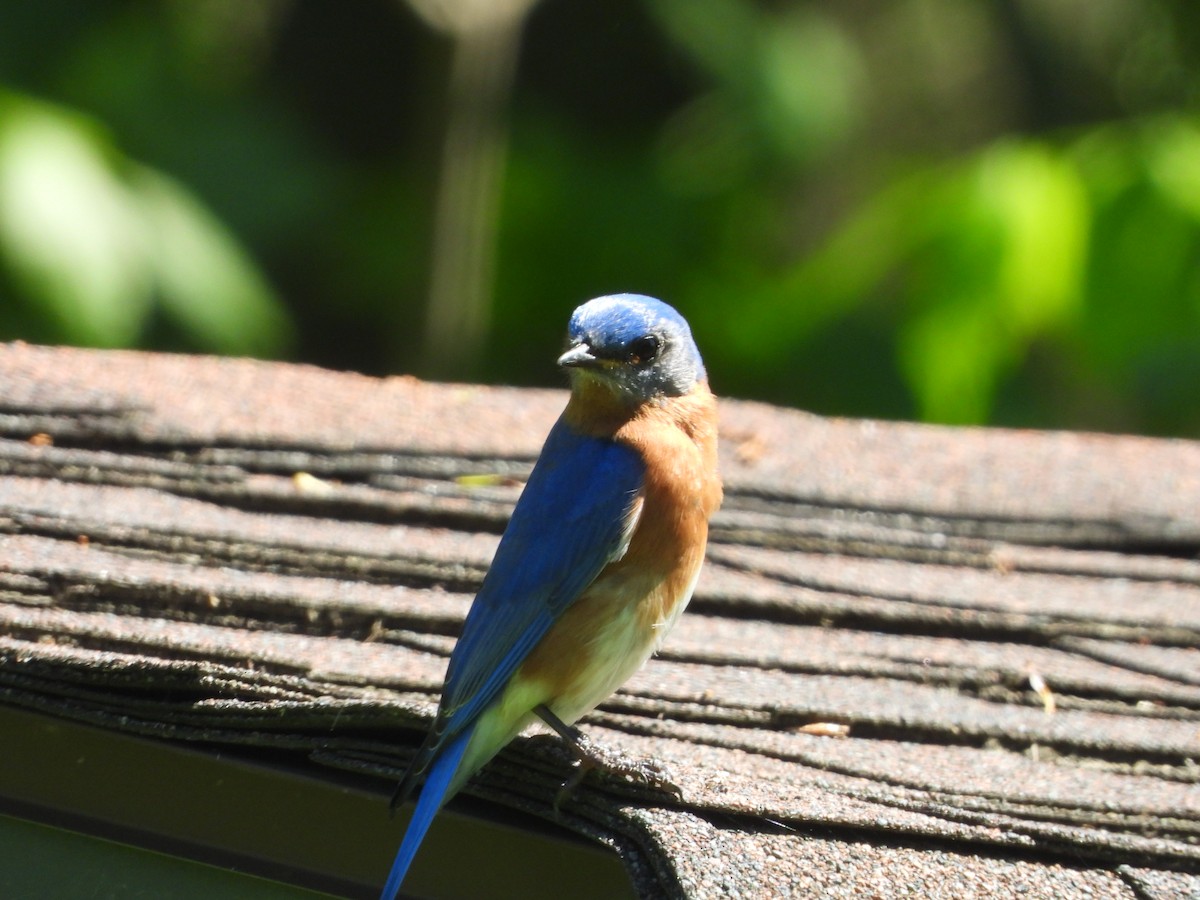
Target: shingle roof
point(921, 661)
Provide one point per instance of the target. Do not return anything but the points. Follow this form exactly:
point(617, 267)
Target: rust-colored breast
point(607, 634)
point(677, 439)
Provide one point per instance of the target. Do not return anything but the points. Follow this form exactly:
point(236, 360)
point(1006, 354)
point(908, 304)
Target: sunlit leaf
point(69, 234)
point(1174, 162)
point(811, 76)
point(1041, 207)
point(952, 357)
point(204, 278)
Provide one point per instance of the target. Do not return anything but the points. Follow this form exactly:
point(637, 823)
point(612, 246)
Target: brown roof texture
point(921, 661)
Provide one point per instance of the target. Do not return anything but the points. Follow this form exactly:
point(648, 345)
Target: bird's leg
point(590, 755)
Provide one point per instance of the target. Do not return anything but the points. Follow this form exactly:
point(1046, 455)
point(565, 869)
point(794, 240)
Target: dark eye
point(643, 350)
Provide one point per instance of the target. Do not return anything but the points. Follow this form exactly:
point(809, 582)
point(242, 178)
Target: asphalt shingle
point(921, 661)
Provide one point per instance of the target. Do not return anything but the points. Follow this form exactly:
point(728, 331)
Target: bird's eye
point(643, 350)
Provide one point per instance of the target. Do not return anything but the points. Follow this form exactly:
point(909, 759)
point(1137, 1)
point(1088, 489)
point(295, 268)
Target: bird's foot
point(590, 756)
point(641, 771)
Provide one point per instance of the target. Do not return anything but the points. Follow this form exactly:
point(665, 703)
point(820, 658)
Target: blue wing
point(569, 523)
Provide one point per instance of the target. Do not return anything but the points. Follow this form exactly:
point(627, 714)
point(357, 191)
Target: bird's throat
point(597, 408)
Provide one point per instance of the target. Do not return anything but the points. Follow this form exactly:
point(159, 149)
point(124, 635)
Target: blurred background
point(965, 211)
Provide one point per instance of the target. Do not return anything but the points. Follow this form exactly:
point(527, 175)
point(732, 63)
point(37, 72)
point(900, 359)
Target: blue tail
point(433, 795)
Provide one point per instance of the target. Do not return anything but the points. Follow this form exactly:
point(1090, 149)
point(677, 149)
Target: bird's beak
point(578, 356)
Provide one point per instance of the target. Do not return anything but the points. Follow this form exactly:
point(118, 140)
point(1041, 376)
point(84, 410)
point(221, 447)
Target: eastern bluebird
point(599, 559)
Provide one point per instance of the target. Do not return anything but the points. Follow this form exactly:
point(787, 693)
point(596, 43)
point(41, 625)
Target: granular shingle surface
point(921, 662)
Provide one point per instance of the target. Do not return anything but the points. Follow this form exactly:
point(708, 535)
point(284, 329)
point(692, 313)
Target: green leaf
point(1041, 208)
point(204, 279)
point(1174, 161)
point(952, 357)
point(69, 234)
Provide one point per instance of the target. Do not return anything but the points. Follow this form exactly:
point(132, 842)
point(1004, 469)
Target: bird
point(598, 560)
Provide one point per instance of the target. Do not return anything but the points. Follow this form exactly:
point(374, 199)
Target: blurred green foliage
point(954, 210)
point(93, 241)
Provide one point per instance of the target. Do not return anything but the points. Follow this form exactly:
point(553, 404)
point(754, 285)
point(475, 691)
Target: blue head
point(639, 347)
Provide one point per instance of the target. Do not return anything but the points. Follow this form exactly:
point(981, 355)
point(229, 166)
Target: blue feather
point(433, 795)
point(565, 529)
point(567, 526)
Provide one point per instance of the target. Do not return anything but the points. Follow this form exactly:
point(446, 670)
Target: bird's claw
point(592, 756)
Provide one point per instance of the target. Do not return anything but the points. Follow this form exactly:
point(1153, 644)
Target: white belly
point(623, 646)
